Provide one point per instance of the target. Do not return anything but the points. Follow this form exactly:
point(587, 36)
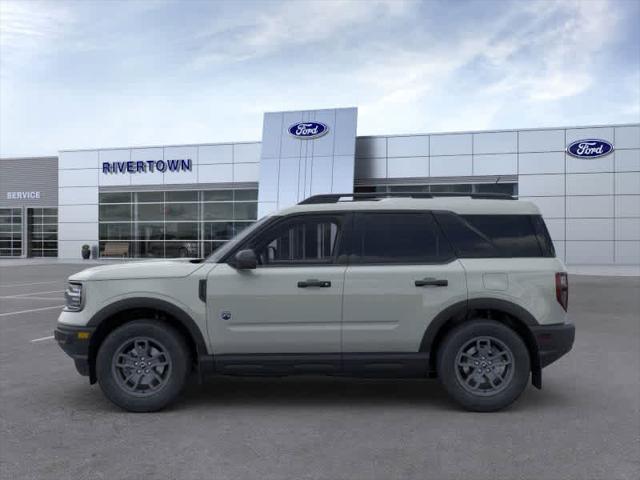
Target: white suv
point(467, 289)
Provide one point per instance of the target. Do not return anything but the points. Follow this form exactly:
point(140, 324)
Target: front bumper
point(553, 341)
point(75, 343)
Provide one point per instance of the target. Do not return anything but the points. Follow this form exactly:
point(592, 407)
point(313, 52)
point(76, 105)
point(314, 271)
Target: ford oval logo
point(590, 148)
point(308, 130)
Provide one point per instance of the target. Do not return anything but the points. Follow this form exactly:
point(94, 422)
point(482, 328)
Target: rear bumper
point(553, 341)
point(75, 345)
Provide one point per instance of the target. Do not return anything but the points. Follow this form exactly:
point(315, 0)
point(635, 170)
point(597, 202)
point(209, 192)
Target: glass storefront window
point(243, 195)
point(218, 230)
point(217, 211)
point(115, 231)
point(149, 212)
point(181, 231)
point(217, 196)
point(245, 211)
point(181, 211)
point(117, 197)
point(449, 188)
point(505, 188)
point(149, 231)
point(42, 231)
point(10, 232)
point(181, 196)
point(173, 223)
point(181, 249)
point(146, 197)
point(148, 249)
point(115, 213)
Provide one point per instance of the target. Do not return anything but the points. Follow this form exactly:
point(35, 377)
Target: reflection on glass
point(217, 195)
point(217, 211)
point(243, 195)
point(185, 196)
point(246, 211)
point(116, 197)
point(150, 197)
point(149, 212)
point(181, 211)
point(181, 231)
point(170, 224)
point(217, 230)
point(150, 231)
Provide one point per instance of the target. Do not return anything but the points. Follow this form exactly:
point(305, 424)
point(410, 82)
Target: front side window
point(400, 238)
point(304, 240)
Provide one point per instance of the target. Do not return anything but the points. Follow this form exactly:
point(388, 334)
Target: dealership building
point(186, 200)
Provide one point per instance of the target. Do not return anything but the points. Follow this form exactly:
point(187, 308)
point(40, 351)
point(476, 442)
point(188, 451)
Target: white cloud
point(288, 25)
point(27, 27)
point(408, 66)
point(537, 52)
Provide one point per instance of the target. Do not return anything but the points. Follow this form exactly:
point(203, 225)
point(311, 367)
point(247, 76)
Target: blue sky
point(99, 74)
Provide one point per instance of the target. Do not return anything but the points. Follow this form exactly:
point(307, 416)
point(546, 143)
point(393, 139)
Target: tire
point(489, 344)
point(144, 378)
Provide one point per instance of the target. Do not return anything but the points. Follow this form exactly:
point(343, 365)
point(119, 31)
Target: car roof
point(459, 204)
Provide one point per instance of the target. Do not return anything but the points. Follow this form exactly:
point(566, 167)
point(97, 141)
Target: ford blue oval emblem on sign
point(590, 148)
point(308, 130)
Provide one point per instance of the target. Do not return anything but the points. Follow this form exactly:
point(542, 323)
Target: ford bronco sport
point(466, 289)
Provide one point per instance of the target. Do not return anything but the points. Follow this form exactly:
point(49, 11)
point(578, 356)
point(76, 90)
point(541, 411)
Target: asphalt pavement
point(583, 424)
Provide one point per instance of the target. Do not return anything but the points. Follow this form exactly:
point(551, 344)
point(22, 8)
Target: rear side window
point(484, 236)
point(400, 238)
point(544, 239)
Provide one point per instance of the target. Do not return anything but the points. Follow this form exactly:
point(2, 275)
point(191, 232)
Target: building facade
point(29, 207)
point(186, 200)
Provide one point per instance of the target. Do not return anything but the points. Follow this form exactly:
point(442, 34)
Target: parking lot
point(584, 423)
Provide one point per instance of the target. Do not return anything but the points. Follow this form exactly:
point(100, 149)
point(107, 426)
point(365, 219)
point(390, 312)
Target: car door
point(292, 301)
point(403, 273)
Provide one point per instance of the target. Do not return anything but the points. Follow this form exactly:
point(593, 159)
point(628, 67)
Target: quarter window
point(486, 236)
point(400, 238)
point(511, 235)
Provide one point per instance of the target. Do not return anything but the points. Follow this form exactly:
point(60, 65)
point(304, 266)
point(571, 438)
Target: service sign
point(23, 195)
point(308, 130)
point(589, 148)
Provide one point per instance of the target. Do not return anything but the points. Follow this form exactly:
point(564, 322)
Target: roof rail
point(335, 197)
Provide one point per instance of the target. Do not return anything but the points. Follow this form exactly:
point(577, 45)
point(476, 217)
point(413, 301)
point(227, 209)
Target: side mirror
point(246, 260)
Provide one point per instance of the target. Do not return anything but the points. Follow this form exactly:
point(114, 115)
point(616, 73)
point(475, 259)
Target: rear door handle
point(432, 282)
point(314, 283)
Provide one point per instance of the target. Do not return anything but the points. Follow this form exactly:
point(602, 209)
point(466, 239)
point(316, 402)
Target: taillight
point(562, 289)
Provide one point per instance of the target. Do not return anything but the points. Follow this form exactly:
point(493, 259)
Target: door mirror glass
point(245, 260)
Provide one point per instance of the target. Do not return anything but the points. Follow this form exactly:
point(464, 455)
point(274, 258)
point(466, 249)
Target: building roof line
point(504, 130)
point(417, 134)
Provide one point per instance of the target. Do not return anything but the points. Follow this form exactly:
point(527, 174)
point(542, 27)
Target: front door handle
point(314, 283)
point(432, 282)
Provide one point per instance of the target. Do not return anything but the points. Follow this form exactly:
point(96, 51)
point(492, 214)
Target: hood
point(141, 270)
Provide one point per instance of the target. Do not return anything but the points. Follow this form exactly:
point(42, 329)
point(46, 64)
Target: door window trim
point(339, 257)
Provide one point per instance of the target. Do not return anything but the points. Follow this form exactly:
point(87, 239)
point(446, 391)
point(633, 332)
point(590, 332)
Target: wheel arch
point(127, 310)
point(508, 313)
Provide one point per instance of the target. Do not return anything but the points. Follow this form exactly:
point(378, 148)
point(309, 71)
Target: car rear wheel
point(142, 366)
point(484, 365)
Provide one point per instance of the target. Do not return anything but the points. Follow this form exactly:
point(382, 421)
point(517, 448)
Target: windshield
point(231, 244)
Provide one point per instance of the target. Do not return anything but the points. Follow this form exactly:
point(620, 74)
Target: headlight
point(73, 297)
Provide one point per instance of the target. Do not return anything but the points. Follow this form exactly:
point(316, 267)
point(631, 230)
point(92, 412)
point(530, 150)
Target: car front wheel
point(142, 366)
point(484, 365)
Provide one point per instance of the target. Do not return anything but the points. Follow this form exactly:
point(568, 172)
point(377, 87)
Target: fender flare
point(156, 304)
point(460, 311)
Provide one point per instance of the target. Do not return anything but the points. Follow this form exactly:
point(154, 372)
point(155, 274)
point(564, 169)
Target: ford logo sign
point(590, 148)
point(308, 130)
